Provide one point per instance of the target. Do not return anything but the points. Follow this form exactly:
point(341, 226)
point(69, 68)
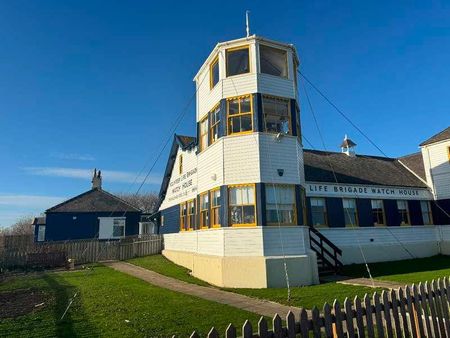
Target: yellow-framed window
point(448, 153)
point(403, 212)
point(238, 60)
point(319, 212)
point(203, 125)
point(214, 73)
point(350, 212)
point(183, 216)
point(191, 225)
point(215, 123)
point(240, 114)
point(427, 216)
point(277, 115)
point(242, 205)
point(215, 208)
point(280, 204)
point(204, 210)
point(273, 61)
point(378, 216)
point(180, 164)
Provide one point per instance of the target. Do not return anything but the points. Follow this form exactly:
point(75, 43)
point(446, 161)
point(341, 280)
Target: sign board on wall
point(366, 191)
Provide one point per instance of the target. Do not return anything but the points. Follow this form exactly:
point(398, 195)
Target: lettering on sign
point(183, 185)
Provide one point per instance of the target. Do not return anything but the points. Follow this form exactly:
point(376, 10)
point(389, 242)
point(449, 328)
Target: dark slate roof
point(95, 200)
point(414, 162)
point(441, 136)
point(39, 220)
point(359, 169)
point(185, 141)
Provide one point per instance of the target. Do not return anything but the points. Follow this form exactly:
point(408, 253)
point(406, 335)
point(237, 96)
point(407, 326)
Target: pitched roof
point(185, 141)
point(441, 136)
point(39, 220)
point(359, 169)
point(95, 200)
point(414, 162)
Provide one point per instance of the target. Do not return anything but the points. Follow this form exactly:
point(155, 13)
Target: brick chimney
point(97, 179)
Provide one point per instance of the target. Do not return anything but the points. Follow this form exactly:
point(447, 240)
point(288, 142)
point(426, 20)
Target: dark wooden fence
point(23, 253)
point(417, 311)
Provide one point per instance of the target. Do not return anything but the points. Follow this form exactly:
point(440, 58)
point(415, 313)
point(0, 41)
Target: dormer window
point(214, 73)
point(273, 61)
point(238, 61)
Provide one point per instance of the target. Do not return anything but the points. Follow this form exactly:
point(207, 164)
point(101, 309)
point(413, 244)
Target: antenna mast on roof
point(247, 25)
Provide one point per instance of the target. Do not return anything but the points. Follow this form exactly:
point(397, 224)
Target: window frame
point(382, 211)
point(253, 185)
point(325, 212)
point(183, 218)
point(122, 226)
point(428, 211)
point(448, 153)
point(240, 114)
point(213, 208)
point(402, 211)
point(180, 164)
point(213, 125)
point(276, 98)
point(41, 233)
point(204, 211)
point(214, 62)
point(202, 146)
point(294, 205)
point(355, 212)
point(234, 49)
point(286, 63)
point(191, 216)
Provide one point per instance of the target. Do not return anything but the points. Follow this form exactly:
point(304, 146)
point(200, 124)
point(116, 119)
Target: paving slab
point(258, 306)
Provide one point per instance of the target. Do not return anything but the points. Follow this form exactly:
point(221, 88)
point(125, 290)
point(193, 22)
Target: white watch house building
point(242, 204)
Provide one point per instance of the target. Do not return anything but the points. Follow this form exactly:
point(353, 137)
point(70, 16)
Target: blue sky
point(87, 84)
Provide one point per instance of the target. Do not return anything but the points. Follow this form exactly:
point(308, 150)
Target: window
point(280, 204)
point(215, 123)
point(276, 115)
point(215, 208)
point(41, 233)
point(427, 216)
point(318, 212)
point(240, 114)
point(119, 227)
point(350, 212)
point(448, 153)
point(191, 215)
point(242, 205)
point(162, 220)
point(238, 61)
point(204, 210)
point(203, 134)
point(183, 216)
point(378, 212)
point(214, 73)
point(403, 212)
point(273, 61)
point(180, 164)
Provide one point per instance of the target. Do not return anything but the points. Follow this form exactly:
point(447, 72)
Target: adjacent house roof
point(39, 220)
point(359, 169)
point(95, 200)
point(414, 162)
point(441, 136)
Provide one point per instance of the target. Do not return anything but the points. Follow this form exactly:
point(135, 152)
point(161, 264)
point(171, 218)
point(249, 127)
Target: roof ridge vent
point(348, 147)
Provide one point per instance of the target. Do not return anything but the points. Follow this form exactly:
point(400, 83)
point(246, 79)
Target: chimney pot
point(97, 179)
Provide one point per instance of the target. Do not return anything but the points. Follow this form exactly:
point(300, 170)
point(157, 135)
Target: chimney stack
point(348, 147)
point(97, 179)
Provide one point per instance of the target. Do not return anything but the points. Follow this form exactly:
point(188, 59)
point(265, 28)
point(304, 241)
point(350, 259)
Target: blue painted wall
point(335, 212)
point(62, 226)
point(439, 216)
point(391, 211)
point(364, 209)
point(171, 220)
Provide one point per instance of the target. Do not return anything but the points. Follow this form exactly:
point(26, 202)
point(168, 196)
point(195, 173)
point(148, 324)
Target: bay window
point(240, 114)
point(276, 115)
point(242, 205)
point(280, 204)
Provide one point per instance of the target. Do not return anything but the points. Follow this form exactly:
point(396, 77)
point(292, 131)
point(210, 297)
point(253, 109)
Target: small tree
point(147, 202)
point(23, 226)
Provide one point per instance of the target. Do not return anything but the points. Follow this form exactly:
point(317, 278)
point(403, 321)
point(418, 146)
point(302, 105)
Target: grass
point(112, 304)
point(307, 296)
point(406, 271)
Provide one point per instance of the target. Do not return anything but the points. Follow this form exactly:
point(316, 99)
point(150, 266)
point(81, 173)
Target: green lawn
point(307, 296)
point(406, 271)
point(112, 304)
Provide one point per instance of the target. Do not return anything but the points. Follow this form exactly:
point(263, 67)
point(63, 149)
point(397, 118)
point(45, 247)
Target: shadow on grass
point(65, 327)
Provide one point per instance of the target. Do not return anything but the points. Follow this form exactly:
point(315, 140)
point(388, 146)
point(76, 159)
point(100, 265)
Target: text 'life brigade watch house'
point(243, 203)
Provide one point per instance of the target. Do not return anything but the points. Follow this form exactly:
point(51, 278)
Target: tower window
point(280, 204)
point(273, 61)
point(238, 61)
point(240, 114)
point(215, 123)
point(214, 73)
point(203, 134)
point(242, 205)
point(276, 115)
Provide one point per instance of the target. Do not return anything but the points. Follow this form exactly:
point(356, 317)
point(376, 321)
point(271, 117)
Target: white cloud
point(74, 156)
point(108, 175)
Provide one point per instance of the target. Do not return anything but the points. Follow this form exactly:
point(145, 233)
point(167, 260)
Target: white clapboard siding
point(210, 242)
point(279, 154)
point(277, 86)
point(243, 242)
point(289, 241)
point(182, 241)
point(437, 168)
point(211, 167)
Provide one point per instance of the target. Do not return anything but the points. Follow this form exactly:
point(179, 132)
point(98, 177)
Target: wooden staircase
point(328, 255)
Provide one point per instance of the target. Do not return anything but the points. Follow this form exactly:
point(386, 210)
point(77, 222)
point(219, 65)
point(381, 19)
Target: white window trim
point(39, 238)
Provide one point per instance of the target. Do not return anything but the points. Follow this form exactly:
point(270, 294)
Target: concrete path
point(262, 307)
point(372, 284)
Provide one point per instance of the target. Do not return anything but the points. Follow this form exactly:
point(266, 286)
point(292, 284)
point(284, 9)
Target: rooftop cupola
point(348, 146)
point(97, 179)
